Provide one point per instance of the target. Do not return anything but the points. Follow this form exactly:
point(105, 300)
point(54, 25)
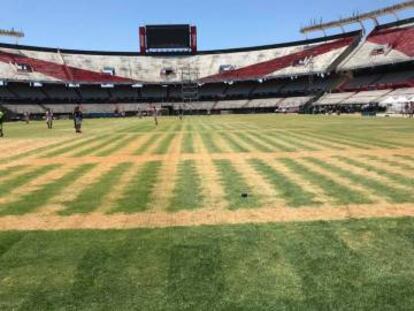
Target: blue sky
point(112, 24)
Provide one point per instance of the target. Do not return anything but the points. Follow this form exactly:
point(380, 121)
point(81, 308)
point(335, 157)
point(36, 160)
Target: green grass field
point(129, 216)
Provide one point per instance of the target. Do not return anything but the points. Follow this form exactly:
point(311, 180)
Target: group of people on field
point(77, 119)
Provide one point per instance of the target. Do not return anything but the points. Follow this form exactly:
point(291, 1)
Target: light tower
point(11, 33)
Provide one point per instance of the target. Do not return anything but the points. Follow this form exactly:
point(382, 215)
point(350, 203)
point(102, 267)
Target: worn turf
point(380, 188)
point(235, 186)
point(30, 202)
point(338, 192)
point(120, 172)
point(92, 197)
point(294, 195)
point(139, 192)
point(187, 192)
point(321, 266)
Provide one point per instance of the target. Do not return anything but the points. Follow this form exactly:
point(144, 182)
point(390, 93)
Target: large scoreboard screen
point(168, 36)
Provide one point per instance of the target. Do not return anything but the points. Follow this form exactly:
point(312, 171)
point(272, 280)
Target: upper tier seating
point(387, 44)
point(18, 63)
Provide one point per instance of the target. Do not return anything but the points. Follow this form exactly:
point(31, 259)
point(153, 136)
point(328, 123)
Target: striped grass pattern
point(91, 197)
point(205, 246)
point(138, 193)
point(24, 178)
point(294, 195)
point(339, 193)
point(188, 143)
point(187, 192)
point(40, 197)
point(312, 159)
point(235, 185)
point(391, 193)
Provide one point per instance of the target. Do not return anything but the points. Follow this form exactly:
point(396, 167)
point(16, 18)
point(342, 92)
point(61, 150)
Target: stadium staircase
point(15, 94)
point(306, 108)
point(340, 82)
point(348, 51)
point(43, 107)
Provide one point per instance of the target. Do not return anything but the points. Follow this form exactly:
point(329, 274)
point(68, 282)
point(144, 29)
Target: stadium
point(272, 177)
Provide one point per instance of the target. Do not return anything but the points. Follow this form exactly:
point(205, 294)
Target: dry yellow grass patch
point(268, 196)
point(69, 194)
point(212, 191)
point(303, 183)
point(345, 182)
point(37, 183)
point(203, 217)
point(367, 173)
point(167, 179)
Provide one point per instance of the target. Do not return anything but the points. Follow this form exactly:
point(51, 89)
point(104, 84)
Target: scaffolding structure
point(189, 87)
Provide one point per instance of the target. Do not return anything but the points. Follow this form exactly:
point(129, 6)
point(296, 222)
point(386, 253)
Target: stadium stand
point(230, 104)
point(22, 63)
point(61, 108)
point(387, 44)
point(212, 91)
point(263, 103)
point(365, 97)
point(333, 99)
point(267, 88)
point(343, 70)
point(6, 94)
point(61, 92)
point(352, 98)
point(21, 109)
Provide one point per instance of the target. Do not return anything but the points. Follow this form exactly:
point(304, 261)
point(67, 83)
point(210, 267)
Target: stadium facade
point(343, 72)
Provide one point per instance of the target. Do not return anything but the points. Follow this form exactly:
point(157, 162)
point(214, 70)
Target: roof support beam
point(359, 18)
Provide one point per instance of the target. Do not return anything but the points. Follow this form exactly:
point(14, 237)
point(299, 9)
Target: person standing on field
point(49, 118)
point(1, 123)
point(154, 111)
point(78, 118)
point(180, 112)
point(26, 117)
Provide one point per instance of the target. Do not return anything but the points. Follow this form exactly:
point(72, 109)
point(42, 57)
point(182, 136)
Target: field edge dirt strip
point(154, 220)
